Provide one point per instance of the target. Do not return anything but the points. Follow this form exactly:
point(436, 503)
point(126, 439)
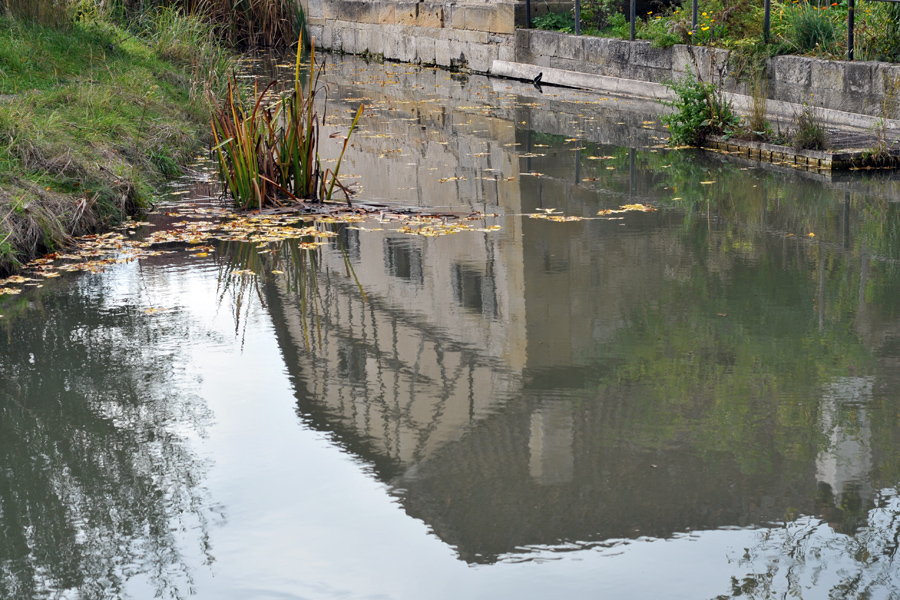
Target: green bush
point(810, 29)
point(700, 110)
point(810, 133)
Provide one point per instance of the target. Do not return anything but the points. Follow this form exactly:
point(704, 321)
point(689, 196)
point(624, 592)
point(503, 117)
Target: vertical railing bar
point(577, 17)
point(631, 17)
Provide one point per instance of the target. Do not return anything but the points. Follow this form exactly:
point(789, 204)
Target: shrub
point(810, 29)
point(700, 110)
point(810, 133)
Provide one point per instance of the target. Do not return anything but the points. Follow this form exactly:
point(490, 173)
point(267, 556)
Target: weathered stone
point(886, 83)
point(362, 40)
point(593, 49)
point(348, 40)
point(826, 75)
point(325, 39)
point(430, 15)
point(506, 52)
point(544, 43)
point(645, 55)
point(315, 32)
point(425, 52)
point(858, 77)
point(381, 13)
point(481, 57)
point(442, 52)
point(618, 52)
point(406, 13)
point(494, 18)
point(571, 47)
point(792, 69)
point(405, 48)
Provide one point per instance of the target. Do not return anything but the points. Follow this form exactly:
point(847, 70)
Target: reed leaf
point(271, 152)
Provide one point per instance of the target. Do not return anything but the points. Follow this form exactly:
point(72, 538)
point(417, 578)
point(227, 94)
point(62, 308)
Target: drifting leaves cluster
point(198, 226)
point(550, 214)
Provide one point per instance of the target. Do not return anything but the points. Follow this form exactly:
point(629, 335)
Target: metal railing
point(767, 19)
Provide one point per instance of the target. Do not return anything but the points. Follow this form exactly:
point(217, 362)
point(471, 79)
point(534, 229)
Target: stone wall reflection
point(578, 382)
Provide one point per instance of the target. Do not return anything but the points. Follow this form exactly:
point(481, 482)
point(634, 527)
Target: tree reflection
point(98, 482)
point(813, 555)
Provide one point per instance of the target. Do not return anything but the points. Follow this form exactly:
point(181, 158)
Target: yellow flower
point(704, 28)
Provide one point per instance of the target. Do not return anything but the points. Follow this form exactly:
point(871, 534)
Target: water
point(690, 403)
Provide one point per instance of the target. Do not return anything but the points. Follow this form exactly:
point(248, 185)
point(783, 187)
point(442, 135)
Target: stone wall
point(469, 35)
point(473, 34)
point(868, 88)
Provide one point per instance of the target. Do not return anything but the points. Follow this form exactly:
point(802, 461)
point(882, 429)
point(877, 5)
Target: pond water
point(696, 402)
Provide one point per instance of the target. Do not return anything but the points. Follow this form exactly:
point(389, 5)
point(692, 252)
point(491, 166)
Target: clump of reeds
point(268, 153)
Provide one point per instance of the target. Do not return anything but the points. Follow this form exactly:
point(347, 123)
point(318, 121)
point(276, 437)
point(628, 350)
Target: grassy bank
point(91, 115)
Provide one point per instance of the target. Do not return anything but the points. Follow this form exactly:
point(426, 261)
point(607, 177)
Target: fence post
point(527, 14)
point(767, 19)
point(694, 10)
point(850, 11)
point(631, 18)
point(577, 17)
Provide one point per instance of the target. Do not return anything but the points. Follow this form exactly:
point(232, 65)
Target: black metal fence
point(767, 12)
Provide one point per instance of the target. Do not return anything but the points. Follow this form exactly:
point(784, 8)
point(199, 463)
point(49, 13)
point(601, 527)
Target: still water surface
point(696, 402)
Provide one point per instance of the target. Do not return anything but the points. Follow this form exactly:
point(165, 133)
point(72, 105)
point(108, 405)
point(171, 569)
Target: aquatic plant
point(270, 152)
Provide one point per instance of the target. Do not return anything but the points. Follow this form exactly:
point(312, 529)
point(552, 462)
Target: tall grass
point(268, 153)
point(49, 13)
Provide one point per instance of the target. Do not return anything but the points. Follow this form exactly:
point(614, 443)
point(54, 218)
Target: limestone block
point(315, 31)
point(644, 55)
point(826, 75)
point(325, 40)
point(787, 92)
point(858, 77)
point(348, 40)
point(425, 50)
point(571, 47)
point(523, 38)
point(376, 41)
point(481, 57)
point(793, 70)
point(618, 54)
point(442, 52)
point(388, 45)
point(380, 13)
point(682, 61)
point(495, 18)
point(430, 15)
point(471, 37)
point(406, 13)
point(457, 16)
point(345, 10)
point(886, 83)
point(337, 35)
point(593, 49)
point(544, 43)
point(362, 40)
point(406, 48)
point(506, 52)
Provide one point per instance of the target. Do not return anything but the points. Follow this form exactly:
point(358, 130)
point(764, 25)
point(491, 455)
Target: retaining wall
point(473, 34)
point(869, 88)
point(469, 34)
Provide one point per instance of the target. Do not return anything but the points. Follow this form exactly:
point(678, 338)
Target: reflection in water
point(97, 476)
point(725, 367)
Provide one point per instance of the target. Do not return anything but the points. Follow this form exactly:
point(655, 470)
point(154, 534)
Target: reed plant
point(270, 152)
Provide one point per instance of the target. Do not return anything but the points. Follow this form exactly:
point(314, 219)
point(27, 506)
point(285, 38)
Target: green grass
point(91, 115)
